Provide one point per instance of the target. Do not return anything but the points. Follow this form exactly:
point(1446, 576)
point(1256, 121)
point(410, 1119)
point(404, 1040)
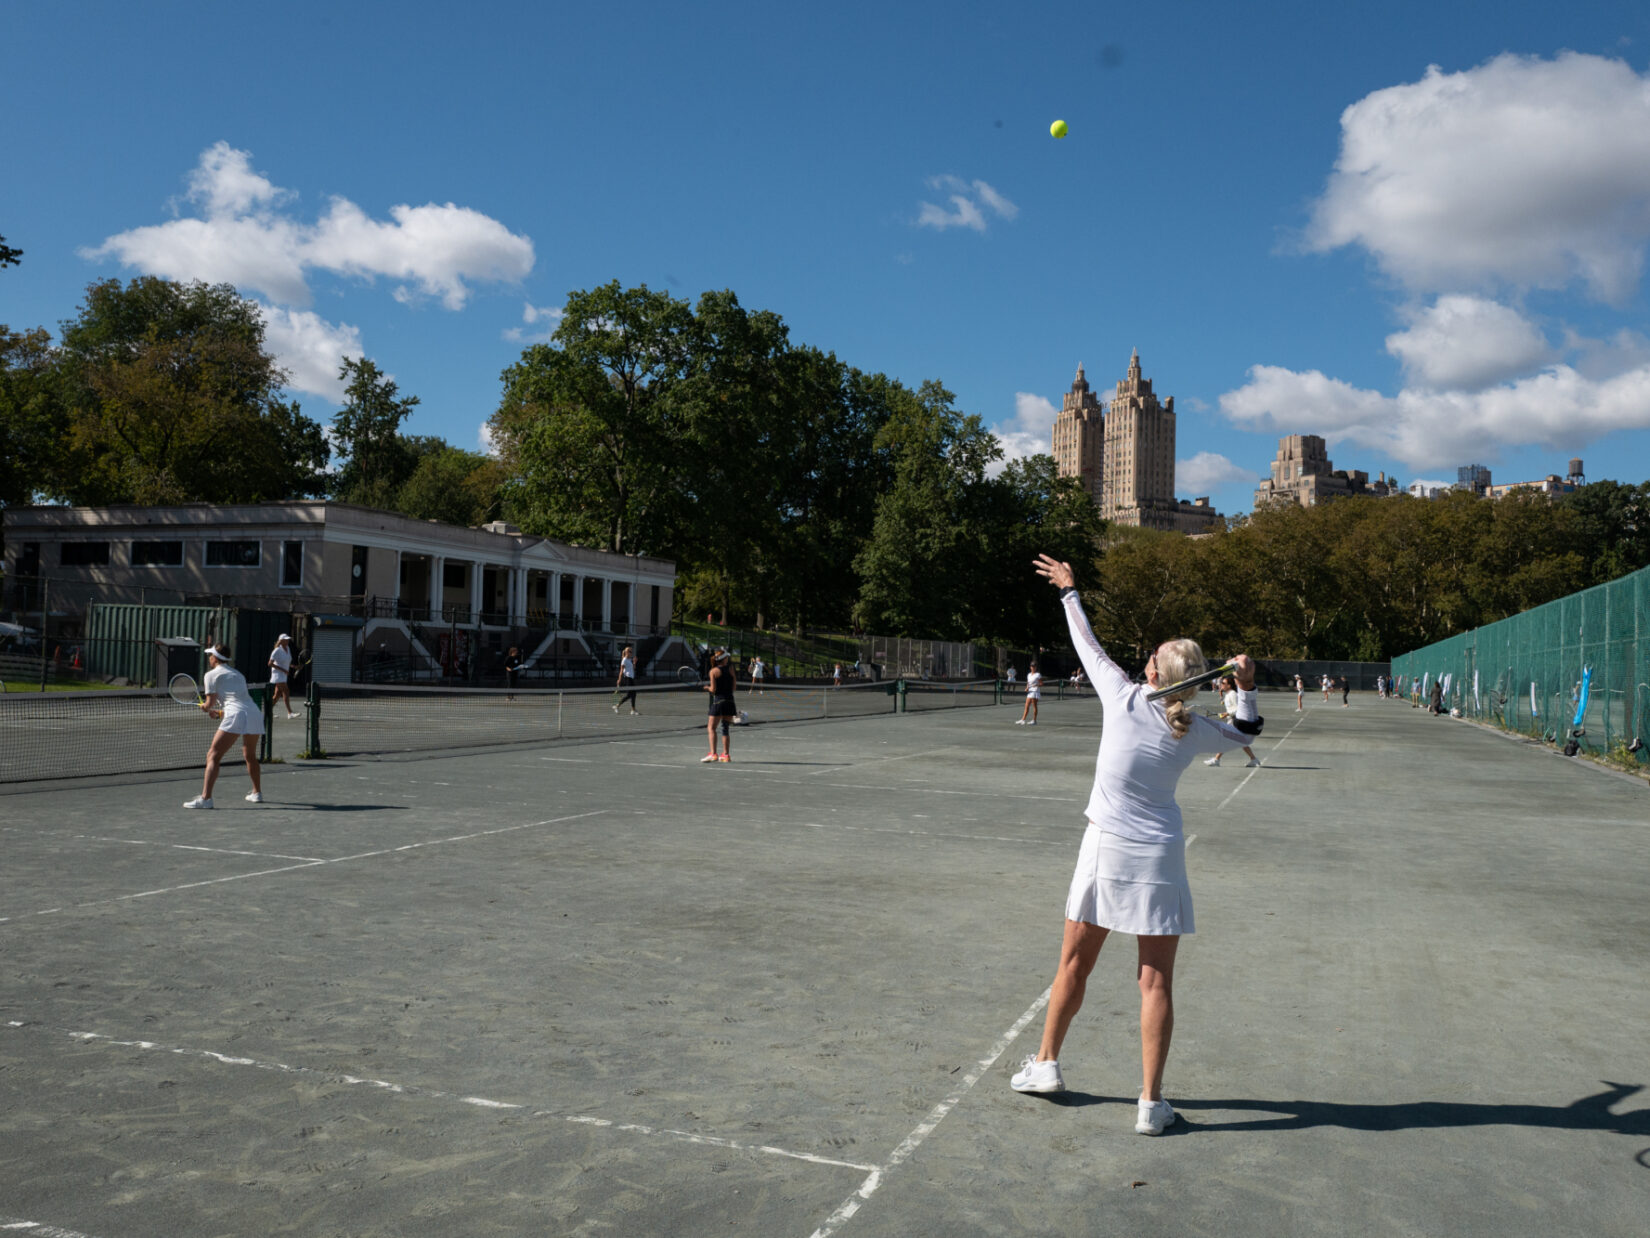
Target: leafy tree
point(589, 425)
point(1612, 527)
point(454, 486)
point(170, 397)
point(921, 571)
point(9, 257)
point(378, 458)
point(31, 415)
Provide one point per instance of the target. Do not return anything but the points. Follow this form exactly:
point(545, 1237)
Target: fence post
point(266, 745)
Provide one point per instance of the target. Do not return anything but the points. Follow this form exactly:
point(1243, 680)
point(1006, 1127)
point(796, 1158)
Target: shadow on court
point(1590, 1113)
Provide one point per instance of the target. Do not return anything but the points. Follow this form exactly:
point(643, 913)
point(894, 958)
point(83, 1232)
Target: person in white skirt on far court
point(1034, 694)
point(226, 697)
point(1131, 868)
point(280, 670)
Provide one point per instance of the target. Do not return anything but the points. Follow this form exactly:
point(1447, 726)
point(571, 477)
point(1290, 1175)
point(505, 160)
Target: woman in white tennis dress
point(1131, 868)
point(227, 696)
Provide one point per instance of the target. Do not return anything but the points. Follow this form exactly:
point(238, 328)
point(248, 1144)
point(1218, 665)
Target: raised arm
point(1107, 677)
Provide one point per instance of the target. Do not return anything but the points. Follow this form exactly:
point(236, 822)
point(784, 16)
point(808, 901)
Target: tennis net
point(927, 694)
point(368, 719)
point(45, 735)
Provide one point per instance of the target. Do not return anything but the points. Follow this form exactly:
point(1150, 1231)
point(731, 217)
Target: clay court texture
point(592, 987)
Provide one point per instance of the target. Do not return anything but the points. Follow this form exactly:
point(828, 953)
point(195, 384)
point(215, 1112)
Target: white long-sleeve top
point(1140, 760)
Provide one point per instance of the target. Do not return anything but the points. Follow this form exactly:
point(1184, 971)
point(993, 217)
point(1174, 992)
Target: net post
point(312, 722)
point(266, 744)
point(899, 701)
point(997, 692)
point(559, 696)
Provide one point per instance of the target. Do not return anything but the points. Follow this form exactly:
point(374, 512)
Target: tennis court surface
point(595, 987)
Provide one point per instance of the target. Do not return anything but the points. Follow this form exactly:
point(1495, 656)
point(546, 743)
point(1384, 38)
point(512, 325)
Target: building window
point(157, 554)
point(292, 565)
point(234, 554)
point(84, 554)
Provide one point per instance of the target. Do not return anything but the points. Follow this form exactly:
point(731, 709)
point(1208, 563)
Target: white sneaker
point(1033, 722)
point(708, 760)
point(1153, 1116)
point(1252, 763)
point(254, 797)
point(1212, 761)
point(291, 714)
point(1035, 1076)
point(633, 713)
point(615, 709)
point(1019, 722)
point(200, 801)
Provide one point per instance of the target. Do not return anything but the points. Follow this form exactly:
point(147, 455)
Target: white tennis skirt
point(241, 722)
point(1131, 886)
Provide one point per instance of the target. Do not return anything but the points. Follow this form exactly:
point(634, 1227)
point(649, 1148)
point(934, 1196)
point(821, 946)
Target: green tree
point(32, 422)
point(454, 486)
point(922, 569)
point(1612, 527)
point(170, 397)
point(378, 459)
point(589, 426)
point(9, 257)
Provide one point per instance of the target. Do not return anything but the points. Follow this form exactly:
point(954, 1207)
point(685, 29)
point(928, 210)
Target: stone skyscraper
point(1079, 436)
point(1124, 453)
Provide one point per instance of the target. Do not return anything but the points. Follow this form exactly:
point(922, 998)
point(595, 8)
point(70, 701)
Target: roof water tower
point(1577, 477)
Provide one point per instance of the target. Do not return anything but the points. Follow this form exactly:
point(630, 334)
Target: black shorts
point(723, 709)
point(1247, 727)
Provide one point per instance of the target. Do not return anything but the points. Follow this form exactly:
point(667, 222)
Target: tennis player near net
point(723, 710)
point(1131, 868)
point(225, 689)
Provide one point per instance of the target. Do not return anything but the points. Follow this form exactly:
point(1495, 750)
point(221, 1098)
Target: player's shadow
point(1590, 1113)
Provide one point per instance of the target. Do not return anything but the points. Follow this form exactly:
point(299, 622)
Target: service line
point(925, 1128)
point(407, 1089)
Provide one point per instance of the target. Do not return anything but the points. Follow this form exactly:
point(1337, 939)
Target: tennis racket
point(185, 691)
point(1196, 681)
point(689, 676)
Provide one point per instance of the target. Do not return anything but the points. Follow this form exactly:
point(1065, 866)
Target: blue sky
point(1416, 229)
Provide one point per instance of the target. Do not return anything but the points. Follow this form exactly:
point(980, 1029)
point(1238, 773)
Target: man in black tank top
point(722, 708)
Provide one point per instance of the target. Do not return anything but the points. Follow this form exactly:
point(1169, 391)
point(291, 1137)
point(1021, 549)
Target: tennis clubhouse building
point(405, 580)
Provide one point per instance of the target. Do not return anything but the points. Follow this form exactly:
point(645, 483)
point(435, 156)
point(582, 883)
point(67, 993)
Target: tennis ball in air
point(1058, 129)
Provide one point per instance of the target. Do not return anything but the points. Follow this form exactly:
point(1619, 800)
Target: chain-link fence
point(1577, 667)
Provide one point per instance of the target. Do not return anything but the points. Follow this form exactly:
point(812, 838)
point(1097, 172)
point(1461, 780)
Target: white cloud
point(1521, 172)
point(1560, 409)
point(310, 349)
point(531, 314)
point(224, 183)
point(1468, 343)
point(245, 240)
point(970, 202)
point(1600, 359)
point(1207, 472)
point(486, 441)
point(1030, 433)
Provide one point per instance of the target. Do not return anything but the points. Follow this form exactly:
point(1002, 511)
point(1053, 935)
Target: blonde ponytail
point(1177, 660)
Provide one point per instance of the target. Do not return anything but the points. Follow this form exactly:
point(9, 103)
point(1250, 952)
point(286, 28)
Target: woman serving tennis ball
point(1131, 868)
point(227, 697)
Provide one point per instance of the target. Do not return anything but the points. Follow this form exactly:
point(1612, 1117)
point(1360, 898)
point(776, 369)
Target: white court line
point(143, 842)
point(1261, 766)
point(925, 1128)
point(861, 786)
point(39, 1229)
point(978, 838)
point(480, 1102)
point(909, 756)
point(268, 872)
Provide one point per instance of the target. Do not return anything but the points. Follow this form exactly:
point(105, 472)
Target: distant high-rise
point(1124, 453)
point(1302, 473)
point(1079, 443)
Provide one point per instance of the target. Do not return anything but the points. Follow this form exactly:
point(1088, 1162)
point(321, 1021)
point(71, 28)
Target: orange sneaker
point(725, 759)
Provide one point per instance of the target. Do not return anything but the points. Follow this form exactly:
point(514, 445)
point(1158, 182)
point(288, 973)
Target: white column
point(552, 595)
point(578, 599)
point(475, 590)
point(607, 605)
point(437, 566)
